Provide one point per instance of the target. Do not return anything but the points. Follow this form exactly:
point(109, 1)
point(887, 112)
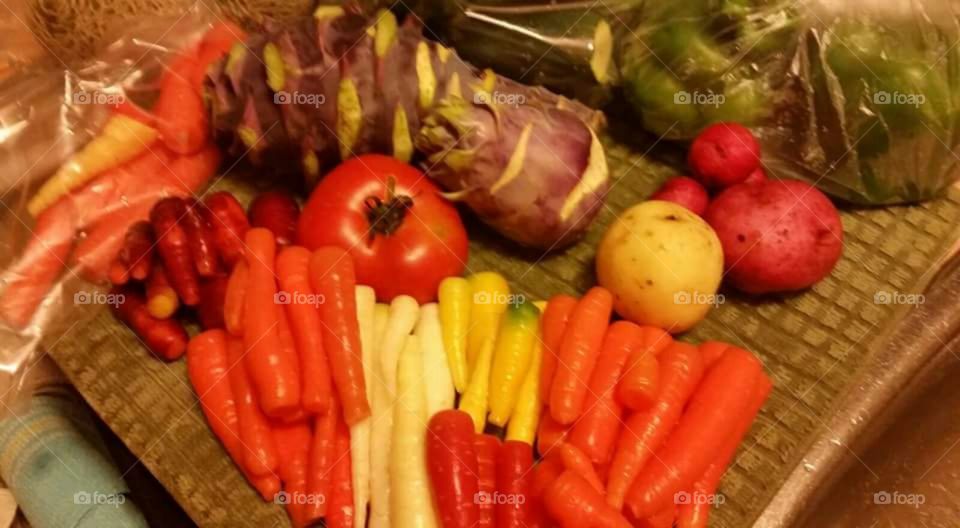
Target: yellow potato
point(663, 265)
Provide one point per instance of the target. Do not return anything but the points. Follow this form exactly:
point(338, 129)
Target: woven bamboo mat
point(811, 344)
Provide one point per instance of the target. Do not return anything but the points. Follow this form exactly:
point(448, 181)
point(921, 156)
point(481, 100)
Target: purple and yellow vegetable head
point(533, 171)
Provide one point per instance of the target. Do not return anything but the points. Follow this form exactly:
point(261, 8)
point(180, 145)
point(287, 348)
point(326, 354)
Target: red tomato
point(403, 242)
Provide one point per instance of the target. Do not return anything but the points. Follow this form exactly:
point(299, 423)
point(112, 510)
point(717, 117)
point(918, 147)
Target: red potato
point(686, 192)
point(777, 235)
point(724, 154)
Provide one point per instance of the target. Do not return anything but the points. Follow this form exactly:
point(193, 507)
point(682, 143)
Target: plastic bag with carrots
point(85, 153)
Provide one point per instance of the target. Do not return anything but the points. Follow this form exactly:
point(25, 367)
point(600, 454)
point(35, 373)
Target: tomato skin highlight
point(408, 255)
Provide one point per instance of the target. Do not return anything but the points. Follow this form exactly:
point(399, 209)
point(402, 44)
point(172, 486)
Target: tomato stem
point(386, 215)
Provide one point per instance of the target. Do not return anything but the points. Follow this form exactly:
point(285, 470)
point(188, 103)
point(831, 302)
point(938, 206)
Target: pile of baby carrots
point(638, 428)
point(283, 383)
point(329, 402)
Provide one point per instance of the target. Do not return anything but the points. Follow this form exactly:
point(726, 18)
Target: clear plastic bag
point(861, 97)
point(53, 261)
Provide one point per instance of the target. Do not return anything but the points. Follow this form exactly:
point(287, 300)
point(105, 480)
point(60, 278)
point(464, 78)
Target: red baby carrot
point(640, 383)
point(174, 248)
point(200, 235)
point(340, 512)
point(207, 367)
point(514, 485)
point(552, 325)
point(680, 371)
point(136, 257)
point(695, 513)
point(213, 293)
point(595, 433)
point(322, 455)
point(712, 351)
point(229, 223)
point(293, 265)
point(452, 463)
point(709, 420)
point(487, 447)
point(165, 338)
point(550, 434)
point(260, 453)
point(578, 354)
point(333, 279)
point(293, 448)
point(274, 371)
point(103, 240)
point(234, 298)
point(162, 300)
point(573, 503)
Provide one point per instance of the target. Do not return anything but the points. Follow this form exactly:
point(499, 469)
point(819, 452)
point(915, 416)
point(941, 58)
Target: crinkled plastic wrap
point(861, 97)
point(52, 277)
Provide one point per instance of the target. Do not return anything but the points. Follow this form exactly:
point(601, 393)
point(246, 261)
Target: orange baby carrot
point(293, 265)
point(260, 454)
point(578, 354)
point(576, 460)
point(681, 368)
point(640, 383)
point(274, 370)
point(181, 115)
point(208, 366)
point(322, 456)
point(712, 351)
point(595, 433)
point(550, 434)
point(333, 278)
point(293, 448)
point(234, 299)
point(656, 340)
point(710, 419)
point(341, 511)
point(695, 513)
point(573, 503)
point(552, 325)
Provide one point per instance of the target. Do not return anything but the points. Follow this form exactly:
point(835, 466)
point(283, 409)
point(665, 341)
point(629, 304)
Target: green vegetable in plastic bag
point(860, 97)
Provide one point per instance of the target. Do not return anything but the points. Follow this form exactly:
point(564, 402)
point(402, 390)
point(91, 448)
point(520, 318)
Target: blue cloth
point(58, 469)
